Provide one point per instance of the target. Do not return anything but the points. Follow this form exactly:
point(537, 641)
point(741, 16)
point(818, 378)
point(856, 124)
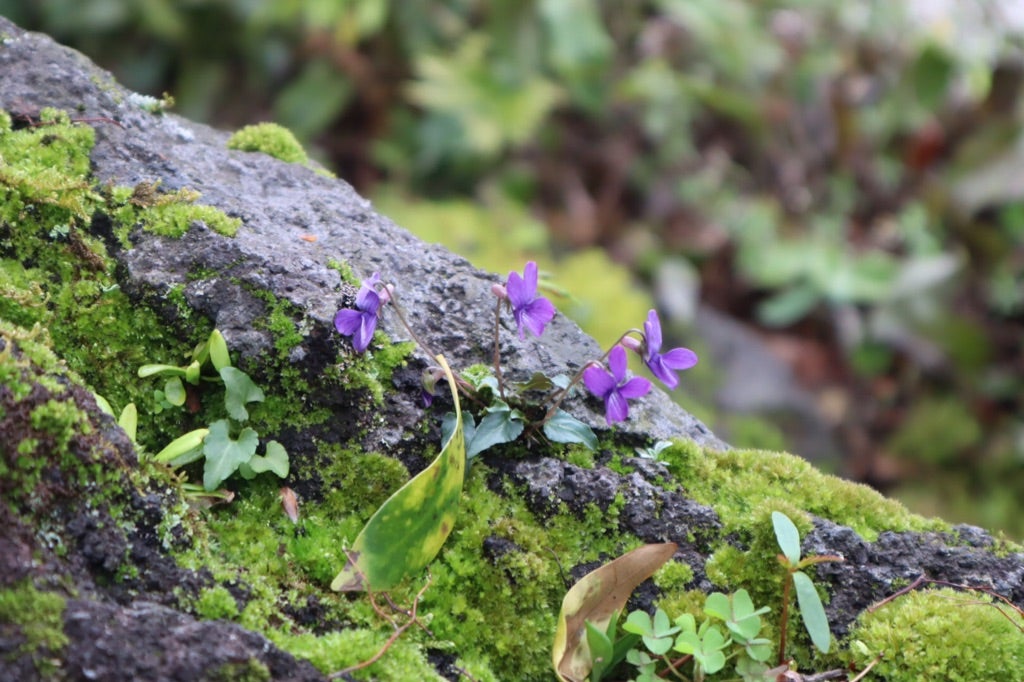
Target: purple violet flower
point(613, 387)
point(361, 322)
point(530, 310)
point(664, 365)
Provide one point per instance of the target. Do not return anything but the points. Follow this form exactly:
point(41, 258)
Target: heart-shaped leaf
point(409, 529)
point(565, 428)
point(502, 424)
point(239, 390)
point(275, 460)
point(224, 454)
point(595, 598)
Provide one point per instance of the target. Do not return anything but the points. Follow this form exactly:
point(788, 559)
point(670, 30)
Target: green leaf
point(706, 646)
point(787, 536)
point(501, 425)
point(102, 403)
point(758, 649)
point(565, 428)
point(788, 306)
point(219, 356)
point(812, 612)
point(129, 420)
point(737, 612)
point(224, 454)
point(409, 529)
point(597, 597)
point(275, 460)
point(930, 74)
point(180, 451)
point(150, 370)
point(239, 390)
point(656, 633)
point(601, 651)
point(538, 382)
point(174, 392)
point(192, 373)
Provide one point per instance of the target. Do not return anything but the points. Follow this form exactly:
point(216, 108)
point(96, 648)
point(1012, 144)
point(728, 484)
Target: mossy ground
point(940, 634)
point(35, 619)
point(497, 585)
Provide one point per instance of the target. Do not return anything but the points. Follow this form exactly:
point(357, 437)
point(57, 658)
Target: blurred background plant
point(829, 192)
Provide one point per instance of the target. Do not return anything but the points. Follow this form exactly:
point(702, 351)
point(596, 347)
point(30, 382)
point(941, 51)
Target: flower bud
point(632, 344)
point(499, 291)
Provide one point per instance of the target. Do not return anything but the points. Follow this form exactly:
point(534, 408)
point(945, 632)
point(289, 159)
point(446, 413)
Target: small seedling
point(226, 444)
point(811, 610)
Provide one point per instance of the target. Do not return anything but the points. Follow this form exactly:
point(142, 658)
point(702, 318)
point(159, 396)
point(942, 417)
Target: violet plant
point(507, 412)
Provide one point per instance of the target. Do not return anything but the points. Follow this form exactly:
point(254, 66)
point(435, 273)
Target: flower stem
point(497, 349)
point(405, 323)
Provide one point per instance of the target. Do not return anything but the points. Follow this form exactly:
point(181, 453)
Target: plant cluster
point(509, 409)
point(589, 644)
point(846, 183)
point(409, 529)
point(225, 445)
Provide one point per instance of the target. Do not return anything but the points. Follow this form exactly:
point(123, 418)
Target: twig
point(867, 668)
point(399, 629)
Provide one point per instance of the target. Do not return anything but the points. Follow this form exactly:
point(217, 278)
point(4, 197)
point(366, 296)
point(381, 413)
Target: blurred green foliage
point(842, 173)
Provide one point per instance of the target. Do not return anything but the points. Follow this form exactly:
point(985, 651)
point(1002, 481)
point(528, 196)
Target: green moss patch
point(940, 635)
point(739, 484)
point(36, 620)
point(269, 138)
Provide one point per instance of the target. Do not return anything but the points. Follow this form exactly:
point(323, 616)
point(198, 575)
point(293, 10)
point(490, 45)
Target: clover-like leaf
point(224, 454)
point(737, 612)
point(409, 529)
point(706, 646)
point(596, 598)
point(787, 536)
point(812, 612)
point(565, 428)
point(656, 632)
point(239, 390)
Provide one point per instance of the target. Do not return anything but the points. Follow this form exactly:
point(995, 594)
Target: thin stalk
point(784, 618)
point(497, 349)
point(405, 323)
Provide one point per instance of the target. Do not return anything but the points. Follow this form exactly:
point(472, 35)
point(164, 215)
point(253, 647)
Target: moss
point(269, 138)
point(371, 371)
point(250, 670)
point(216, 603)
point(940, 635)
point(739, 483)
point(36, 620)
point(404, 660)
point(174, 219)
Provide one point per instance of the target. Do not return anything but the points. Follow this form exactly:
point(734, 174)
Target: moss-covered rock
point(90, 521)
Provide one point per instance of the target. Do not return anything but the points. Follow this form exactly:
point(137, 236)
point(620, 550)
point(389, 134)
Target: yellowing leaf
point(409, 529)
point(597, 596)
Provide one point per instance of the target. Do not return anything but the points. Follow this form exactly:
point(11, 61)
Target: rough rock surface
point(116, 629)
